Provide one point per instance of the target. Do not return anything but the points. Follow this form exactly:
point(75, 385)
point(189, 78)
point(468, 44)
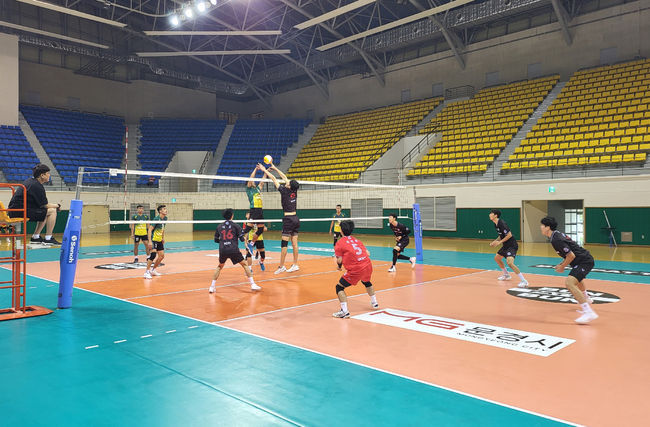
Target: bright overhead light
point(174, 20)
point(200, 6)
point(213, 2)
point(72, 12)
point(188, 12)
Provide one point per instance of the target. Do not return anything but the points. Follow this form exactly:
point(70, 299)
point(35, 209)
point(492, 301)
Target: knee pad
point(339, 288)
point(259, 231)
point(284, 243)
point(262, 254)
point(152, 255)
point(344, 283)
point(366, 284)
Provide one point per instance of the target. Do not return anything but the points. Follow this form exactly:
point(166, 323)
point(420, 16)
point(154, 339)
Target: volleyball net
point(195, 201)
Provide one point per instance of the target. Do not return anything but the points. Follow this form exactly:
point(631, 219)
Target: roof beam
point(454, 42)
point(374, 67)
point(317, 79)
point(72, 12)
point(333, 14)
point(452, 4)
point(563, 19)
point(215, 33)
point(53, 35)
point(213, 53)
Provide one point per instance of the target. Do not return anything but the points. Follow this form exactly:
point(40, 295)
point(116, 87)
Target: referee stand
point(18, 260)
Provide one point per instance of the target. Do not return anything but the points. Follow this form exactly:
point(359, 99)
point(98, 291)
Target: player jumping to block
point(581, 263)
point(353, 255)
point(508, 250)
point(139, 232)
point(227, 235)
point(402, 238)
point(290, 221)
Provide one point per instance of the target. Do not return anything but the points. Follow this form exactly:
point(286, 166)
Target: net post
point(417, 233)
point(69, 252)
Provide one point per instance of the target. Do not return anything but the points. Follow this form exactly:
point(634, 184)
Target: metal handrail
point(419, 146)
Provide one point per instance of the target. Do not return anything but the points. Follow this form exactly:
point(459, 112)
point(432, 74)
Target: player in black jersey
point(290, 221)
point(402, 238)
point(581, 263)
point(228, 235)
point(508, 250)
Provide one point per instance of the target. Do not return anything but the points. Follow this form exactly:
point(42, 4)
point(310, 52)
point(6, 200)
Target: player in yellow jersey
point(139, 232)
point(156, 234)
point(255, 213)
point(259, 244)
point(336, 223)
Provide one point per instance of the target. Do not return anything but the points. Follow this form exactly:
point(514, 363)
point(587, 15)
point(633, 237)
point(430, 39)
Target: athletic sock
point(250, 279)
point(373, 299)
point(214, 283)
point(400, 256)
point(586, 308)
point(395, 253)
point(344, 307)
point(505, 271)
point(36, 236)
point(521, 276)
point(586, 294)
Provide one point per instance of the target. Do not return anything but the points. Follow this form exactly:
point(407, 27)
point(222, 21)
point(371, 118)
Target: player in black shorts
point(581, 263)
point(228, 235)
point(402, 238)
point(290, 221)
point(256, 211)
point(508, 250)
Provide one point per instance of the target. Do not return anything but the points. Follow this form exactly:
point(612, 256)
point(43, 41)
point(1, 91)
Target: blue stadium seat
point(73, 139)
point(161, 138)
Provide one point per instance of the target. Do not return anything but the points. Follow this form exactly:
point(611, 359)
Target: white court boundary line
point(462, 393)
point(351, 296)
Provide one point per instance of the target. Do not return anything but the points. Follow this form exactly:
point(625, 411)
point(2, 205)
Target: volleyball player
point(581, 263)
point(259, 245)
point(290, 221)
point(139, 232)
point(156, 235)
point(227, 235)
point(255, 212)
point(336, 224)
point(508, 249)
point(353, 255)
point(402, 240)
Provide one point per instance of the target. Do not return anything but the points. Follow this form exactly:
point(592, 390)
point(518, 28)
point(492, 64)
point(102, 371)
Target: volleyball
point(268, 159)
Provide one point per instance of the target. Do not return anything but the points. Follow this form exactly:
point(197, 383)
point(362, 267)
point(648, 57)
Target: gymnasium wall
point(625, 27)
point(9, 79)
point(52, 86)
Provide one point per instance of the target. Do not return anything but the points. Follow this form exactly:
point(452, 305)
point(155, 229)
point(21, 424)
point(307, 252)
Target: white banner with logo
point(496, 336)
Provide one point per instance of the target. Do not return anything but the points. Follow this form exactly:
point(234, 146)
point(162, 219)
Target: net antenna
point(612, 239)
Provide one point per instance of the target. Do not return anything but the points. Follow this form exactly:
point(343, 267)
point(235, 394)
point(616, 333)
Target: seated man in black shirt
point(38, 208)
point(290, 221)
point(581, 263)
point(227, 235)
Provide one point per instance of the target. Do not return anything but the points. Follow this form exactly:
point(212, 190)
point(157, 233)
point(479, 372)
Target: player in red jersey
point(353, 255)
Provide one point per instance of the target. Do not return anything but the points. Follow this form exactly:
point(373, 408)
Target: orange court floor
point(599, 376)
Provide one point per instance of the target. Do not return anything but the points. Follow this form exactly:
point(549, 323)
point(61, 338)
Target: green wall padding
point(635, 220)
